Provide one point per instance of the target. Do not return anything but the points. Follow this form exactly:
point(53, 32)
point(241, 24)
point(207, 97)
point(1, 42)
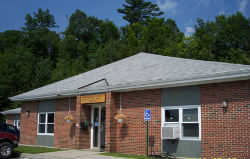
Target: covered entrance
point(98, 127)
point(97, 117)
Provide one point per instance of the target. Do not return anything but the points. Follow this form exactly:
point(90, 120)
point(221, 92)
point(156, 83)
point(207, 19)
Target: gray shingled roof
point(135, 71)
point(12, 111)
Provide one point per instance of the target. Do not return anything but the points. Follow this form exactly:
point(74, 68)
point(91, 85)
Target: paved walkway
point(67, 154)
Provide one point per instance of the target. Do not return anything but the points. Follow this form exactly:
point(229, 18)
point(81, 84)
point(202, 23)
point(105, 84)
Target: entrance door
point(98, 128)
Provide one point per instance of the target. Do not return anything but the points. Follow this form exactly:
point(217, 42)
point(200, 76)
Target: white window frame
point(46, 123)
point(17, 125)
point(180, 108)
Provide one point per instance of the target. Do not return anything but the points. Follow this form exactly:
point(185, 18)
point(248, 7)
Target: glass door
point(98, 128)
point(102, 128)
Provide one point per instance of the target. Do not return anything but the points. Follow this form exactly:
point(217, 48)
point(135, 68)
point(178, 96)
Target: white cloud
point(243, 5)
point(168, 5)
point(189, 31)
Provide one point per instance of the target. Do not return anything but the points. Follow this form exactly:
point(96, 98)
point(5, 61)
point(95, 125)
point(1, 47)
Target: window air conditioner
point(170, 132)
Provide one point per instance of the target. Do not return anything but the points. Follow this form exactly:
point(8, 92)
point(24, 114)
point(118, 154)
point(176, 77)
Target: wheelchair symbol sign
point(147, 114)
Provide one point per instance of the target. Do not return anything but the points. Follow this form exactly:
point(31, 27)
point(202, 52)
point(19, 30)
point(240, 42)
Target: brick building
point(198, 108)
point(13, 116)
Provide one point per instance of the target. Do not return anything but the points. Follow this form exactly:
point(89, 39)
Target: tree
point(72, 58)
point(83, 27)
point(43, 43)
point(139, 11)
point(16, 74)
point(225, 39)
point(40, 20)
point(109, 52)
point(42, 73)
point(232, 36)
point(10, 39)
point(160, 34)
point(38, 37)
point(108, 31)
point(131, 39)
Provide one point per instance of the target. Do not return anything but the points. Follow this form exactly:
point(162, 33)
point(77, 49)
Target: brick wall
point(84, 136)
point(226, 134)
point(130, 136)
point(28, 128)
point(11, 117)
point(64, 133)
point(83, 113)
point(69, 135)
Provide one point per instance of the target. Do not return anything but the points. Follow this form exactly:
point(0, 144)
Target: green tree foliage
point(139, 11)
point(16, 74)
point(160, 34)
point(83, 37)
point(83, 27)
point(40, 20)
point(42, 72)
point(72, 58)
point(27, 56)
point(226, 39)
point(110, 52)
point(131, 39)
point(39, 38)
point(108, 31)
point(43, 44)
point(232, 38)
point(10, 40)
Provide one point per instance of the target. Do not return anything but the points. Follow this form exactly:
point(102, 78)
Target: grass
point(126, 155)
point(34, 149)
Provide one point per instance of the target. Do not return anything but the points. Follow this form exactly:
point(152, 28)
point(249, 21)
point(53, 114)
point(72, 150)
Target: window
point(187, 118)
point(17, 124)
point(46, 123)
point(190, 123)
point(172, 115)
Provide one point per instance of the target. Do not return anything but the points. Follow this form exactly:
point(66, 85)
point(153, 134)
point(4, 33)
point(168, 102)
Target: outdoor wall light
point(28, 113)
point(225, 105)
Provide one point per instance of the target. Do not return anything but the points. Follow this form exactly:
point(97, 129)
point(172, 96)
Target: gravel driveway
point(68, 154)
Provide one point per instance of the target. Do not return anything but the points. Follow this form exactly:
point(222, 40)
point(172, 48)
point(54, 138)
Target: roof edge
point(193, 80)
point(11, 111)
point(244, 75)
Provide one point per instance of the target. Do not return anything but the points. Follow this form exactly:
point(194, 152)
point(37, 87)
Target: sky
point(184, 12)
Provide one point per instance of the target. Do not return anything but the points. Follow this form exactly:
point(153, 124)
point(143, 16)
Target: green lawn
point(34, 149)
point(126, 155)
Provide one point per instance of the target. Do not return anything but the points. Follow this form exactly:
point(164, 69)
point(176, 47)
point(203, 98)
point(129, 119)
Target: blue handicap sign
point(147, 114)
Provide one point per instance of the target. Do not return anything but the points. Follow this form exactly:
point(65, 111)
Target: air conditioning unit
point(170, 132)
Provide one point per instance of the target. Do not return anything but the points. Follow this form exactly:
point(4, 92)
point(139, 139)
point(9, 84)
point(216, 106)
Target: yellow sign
point(96, 98)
